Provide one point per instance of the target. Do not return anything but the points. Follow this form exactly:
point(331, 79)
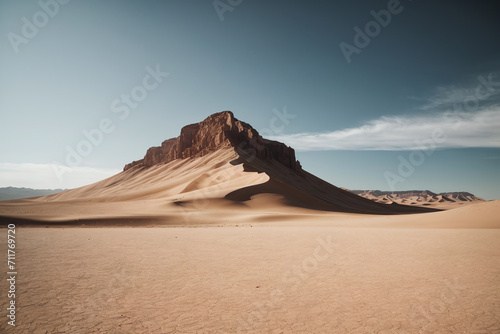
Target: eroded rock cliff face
point(215, 132)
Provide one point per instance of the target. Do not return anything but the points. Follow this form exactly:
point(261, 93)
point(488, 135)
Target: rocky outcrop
point(215, 132)
point(418, 196)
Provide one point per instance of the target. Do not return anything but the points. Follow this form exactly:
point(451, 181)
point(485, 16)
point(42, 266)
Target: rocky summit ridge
point(217, 131)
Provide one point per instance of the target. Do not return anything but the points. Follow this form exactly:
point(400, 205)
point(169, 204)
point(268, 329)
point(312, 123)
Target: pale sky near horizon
point(357, 88)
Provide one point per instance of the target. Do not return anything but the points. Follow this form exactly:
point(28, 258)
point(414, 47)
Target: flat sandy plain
point(426, 273)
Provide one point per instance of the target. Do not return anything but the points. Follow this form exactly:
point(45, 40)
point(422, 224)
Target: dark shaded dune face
point(302, 189)
point(290, 196)
point(135, 221)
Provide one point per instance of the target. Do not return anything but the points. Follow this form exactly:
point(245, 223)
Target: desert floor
point(257, 278)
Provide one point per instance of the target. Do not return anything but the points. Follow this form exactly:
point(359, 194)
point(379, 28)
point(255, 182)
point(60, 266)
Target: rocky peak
point(215, 132)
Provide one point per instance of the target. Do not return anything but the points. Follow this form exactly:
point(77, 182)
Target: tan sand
point(260, 279)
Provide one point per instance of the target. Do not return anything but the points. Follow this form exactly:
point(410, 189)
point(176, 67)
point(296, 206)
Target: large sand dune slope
point(221, 180)
point(220, 163)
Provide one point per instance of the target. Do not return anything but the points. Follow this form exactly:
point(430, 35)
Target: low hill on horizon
point(420, 197)
point(10, 193)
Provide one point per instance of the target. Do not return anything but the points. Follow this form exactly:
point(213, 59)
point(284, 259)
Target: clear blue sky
point(360, 102)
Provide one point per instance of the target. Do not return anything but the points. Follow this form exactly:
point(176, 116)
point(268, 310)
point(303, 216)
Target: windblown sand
point(261, 279)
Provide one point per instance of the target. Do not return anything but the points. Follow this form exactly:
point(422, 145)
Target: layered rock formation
point(215, 132)
point(417, 196)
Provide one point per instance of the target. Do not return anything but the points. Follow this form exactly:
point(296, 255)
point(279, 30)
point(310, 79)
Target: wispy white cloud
point(50, 176)
point(446, 97)
point(484, 91)
point(458, 129)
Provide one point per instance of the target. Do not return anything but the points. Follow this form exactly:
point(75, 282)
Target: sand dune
point(165, 192)
point(219, 159)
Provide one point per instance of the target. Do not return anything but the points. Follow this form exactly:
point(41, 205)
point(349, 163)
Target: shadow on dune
point(90, 222)
point(302, 189)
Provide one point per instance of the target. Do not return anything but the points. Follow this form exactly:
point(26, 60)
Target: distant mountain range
point(419, 197)
point(17, 193)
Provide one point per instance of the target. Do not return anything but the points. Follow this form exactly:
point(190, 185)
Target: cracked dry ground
point(255, 280)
